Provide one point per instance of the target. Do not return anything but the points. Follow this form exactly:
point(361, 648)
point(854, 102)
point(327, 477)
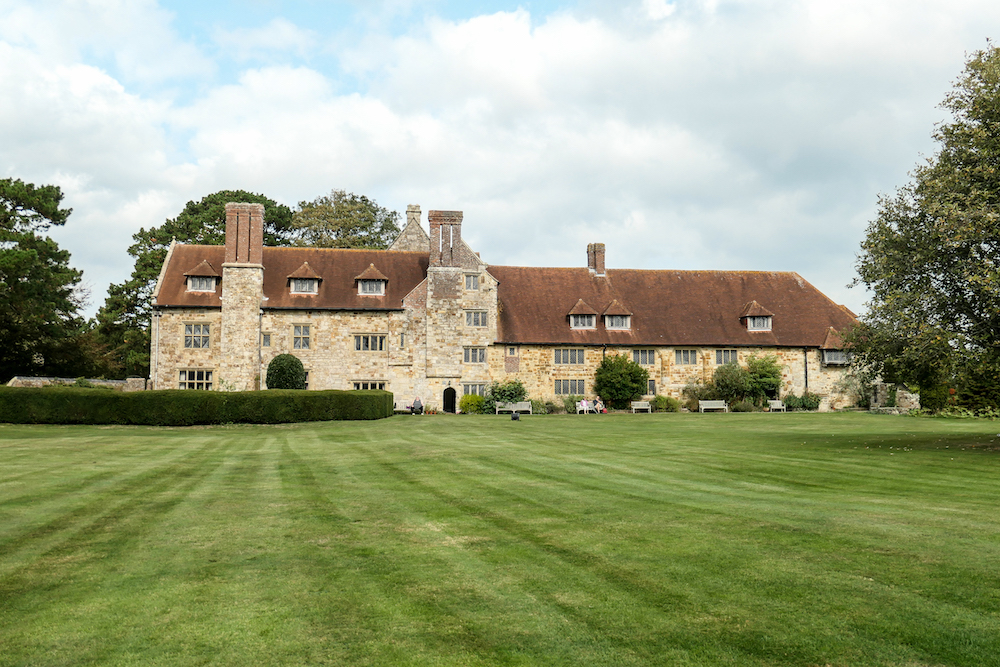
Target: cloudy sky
point(692, 134)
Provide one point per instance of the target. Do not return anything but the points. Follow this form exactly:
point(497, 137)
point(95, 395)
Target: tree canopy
point(344, 220)
point(123, 321)
point(619, 380)
point(39, 301)
point(931, 258)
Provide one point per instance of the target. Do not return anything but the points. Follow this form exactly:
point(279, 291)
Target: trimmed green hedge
point(176, 407)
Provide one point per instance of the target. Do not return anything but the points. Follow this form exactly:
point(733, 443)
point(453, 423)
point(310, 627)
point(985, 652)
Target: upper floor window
point(617, 321)
point(725, 357)
point(371, 287)
point(474, 355)
point(759, 323)
point(196, 335)
point(305, 285)
point(201, 283)
point(582, 321)
point(471, 282)
point(369, 343)
point(475, 318)
point(300, 336)
point(836, 358)
point(644, 357)
point(686, 357)
point(573, 356)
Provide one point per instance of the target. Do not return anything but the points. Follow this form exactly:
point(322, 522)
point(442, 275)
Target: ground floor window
point(474, 389)
point(196, 379)
point(725, 357)
point(570, 387)
point(686, 357)
point(300, 336)
point(369, 384)
point(651, 387)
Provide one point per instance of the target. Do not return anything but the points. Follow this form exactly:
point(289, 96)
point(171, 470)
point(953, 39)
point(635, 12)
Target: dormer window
point(756, 317)
point(305, 285)
point(371, 287)
point(617, 322)
point(201, 283)
point(582, 321)
point(759, 323)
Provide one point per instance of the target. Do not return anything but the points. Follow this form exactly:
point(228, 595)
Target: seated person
point(599, 405)
point(418, 407)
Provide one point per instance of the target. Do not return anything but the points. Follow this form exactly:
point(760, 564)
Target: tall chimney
point(446, 237)
point(244, 233)
point(595, 258)
point(413, 214)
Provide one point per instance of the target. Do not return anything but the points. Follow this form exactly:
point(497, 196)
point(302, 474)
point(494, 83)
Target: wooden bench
point(520, 406)
point(641, 405)
point(777, 406)
point(712, 405)
point(583, 407)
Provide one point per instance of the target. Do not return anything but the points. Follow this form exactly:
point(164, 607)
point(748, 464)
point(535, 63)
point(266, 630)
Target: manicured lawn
point(758, 539)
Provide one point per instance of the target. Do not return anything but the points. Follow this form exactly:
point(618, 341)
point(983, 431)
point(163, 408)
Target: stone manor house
point(429, 318)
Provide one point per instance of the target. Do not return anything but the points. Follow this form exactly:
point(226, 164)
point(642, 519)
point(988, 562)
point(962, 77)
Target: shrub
point(508, 392)
point(792, 402)
point(552, 408)
point(698, 391)
point(743, 406)
point(538, 407)
point(665, 404)
point(619, 380)
point(810, 401)
point(732, 382)
point(763, 377)
point(569, 403)
point(471, 404)
point(286, 372)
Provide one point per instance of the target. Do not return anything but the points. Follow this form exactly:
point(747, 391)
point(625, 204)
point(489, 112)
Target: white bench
point(583, 407)
point(641, 405)
point(520, 406)
point(712, 405)
point(776, 406)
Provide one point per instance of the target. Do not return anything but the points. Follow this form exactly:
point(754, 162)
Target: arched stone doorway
point(449, 399)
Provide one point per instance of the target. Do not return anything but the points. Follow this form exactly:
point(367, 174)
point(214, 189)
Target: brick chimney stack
point(446, 237)
point(244, 233)
point(595, 258)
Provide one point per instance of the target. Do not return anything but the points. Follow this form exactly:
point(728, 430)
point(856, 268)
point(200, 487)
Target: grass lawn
point(739, 539)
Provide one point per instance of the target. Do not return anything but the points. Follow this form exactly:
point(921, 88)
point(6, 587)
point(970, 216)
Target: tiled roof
point(582, 308)
point(305, 271)
point(371, 273)
point(669, 307)
point(615, 308)
point(203, 269)
point(336, 266)
point(754, 309)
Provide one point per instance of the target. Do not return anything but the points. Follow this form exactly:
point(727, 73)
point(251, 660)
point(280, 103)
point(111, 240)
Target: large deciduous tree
point(345, 220)
point(123, 321)
point(38, 288)
point(932, 256)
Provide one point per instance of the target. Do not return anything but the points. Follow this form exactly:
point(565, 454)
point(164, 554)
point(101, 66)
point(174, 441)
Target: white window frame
point(583, 321)
point(836, 358)
point(201, 283)
point(370, 342)
point(476, 318)
point(301, 335)
point(304, 286)
point(644, 357)
point(759, 323)
point(195, 378)
point(474, 355)
point(613, 322)
point(371, 287)
point(197, 336)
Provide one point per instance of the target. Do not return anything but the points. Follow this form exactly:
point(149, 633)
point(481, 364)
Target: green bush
point(286, 372)
point(176, 407)
point(732, 382)
point(552, 408)
point(792, 402)
point(471, 404)
point(507, 392)
point(743, 406)
point(569, 403)
point(539, 407)
point(810, 401)
point(763, 377)
point(619, 380)
point(698, 391)
point(665, 404)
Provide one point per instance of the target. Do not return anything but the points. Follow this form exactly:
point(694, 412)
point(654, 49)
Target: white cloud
point(279, 35)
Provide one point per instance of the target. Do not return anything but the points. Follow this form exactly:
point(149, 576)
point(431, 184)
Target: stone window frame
point(759, 323)
point(370, 342)
point(650, 387)
point(574, 356)
point(583, 321)
point(512, 351)
point(369, 385)
point(265, 339)
point(476, 319)
point(200, 340)
point(618, 322)
point(371, 287)
point(301, 336)
point(474, 388)
point(303, 285)
point(201, 381)
point(571, 387)
point(685, 357)
point(835, 357)
point(726, 356)
point(474, 355)
point(471, 282)
point(644, 357)
point(201, 283)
